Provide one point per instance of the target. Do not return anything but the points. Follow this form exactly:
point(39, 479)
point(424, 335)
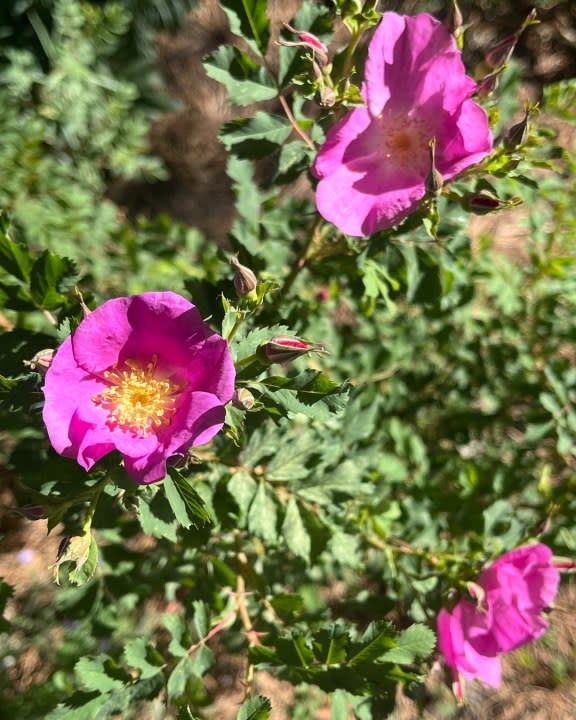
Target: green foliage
point(349, 487)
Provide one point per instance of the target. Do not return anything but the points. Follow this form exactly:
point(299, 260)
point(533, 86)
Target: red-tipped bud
point(501, 52)
point(327, 96)
point(483, 202)
point(454, 19)
point(33, 512)
point(245, 280)
point(243, 399)
point(41, 361)
point(284, 349)
point(306, 39)
point(434, 180)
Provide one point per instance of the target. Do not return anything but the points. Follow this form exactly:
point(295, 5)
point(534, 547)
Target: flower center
point(405, 142)
point(136, 400)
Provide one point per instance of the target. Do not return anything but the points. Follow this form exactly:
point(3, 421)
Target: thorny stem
point(397, 545)
point(237, 323)
point(215, 630)
point(251, 633)
point(294, 123)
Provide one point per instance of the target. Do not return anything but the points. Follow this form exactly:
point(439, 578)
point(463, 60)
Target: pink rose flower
point(374, 163)
point(143, 375)
point(514, 591)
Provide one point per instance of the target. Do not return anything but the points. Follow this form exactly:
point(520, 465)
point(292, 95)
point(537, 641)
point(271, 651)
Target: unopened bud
point(33, 512)
point(306, 39)
point(85, 309)
point(454, 19)
point(41, 361)
point(245, 280)
point(284, 349)
point(501, 53)
point(488, 84)
point(327, 97)
point(483, 202)
point(517, 134)
point(243, 399)
point(434, 180)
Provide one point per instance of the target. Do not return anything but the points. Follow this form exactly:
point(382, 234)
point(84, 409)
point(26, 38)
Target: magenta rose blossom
point(373, 165)
point(143, 375)
point(516, 589)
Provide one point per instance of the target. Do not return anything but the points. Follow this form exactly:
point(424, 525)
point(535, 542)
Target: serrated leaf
point(156, 515)
point(377, 639)
point(92, 675)
point(48, 273)
point(330, 645)
point(188, 506)
point(254, 88)
point(136, 654)
point(294, 531)
point(287, 605)
point(289, 463)
point(249, 132)
point(242, 487)
point(263, 515)
point(249, 20)
point(175, 626)
point(256, 708)
point(415, 643)
point(176, 685)
point(201, 618)
point(84, 711)
point(14, 258)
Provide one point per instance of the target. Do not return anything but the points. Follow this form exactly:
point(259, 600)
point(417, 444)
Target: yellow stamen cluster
point(136, 401)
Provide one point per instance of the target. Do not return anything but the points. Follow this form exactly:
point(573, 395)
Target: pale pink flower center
point(137, 401)
point(405, 141)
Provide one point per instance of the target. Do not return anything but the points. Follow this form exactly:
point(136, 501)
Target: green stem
point(93, 503)
point(297, 267)
point(237, 323)
point(245, 361)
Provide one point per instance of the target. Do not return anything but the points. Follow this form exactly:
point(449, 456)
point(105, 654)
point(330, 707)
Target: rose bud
point(501, 52)
point(245, 280)
point(454, 19)
point(306, 39)
point(483, 202)
point(517, 134)
point(41, 361)
point(434, 180)
point(243, 399)
point(284, 349)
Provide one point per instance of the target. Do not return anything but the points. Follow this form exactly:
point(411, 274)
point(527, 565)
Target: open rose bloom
point(515, 590)
point(374, 163)
point(143, 375)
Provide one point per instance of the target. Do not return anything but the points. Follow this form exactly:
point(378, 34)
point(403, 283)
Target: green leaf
point(249, 20)
point(377, 639)
point(246, 227)
point(178, 680)
point(138, 653)
point(175, 625)
point(85, 711)
point(288, 606)
point(289, 463)
point(295, 533)
point(188, 506)
point(330, 645)
point(48, 273)
point(263, 515)
point(255, 136)
point(256, 708)
point(415, 643)
point(92, 674)
point(156, 514)
point(14, 258)
point(242, 487)
point(201, 618)
point(255, 87)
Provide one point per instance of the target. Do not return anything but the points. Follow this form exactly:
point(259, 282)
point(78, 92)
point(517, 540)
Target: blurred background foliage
point(346, 522)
